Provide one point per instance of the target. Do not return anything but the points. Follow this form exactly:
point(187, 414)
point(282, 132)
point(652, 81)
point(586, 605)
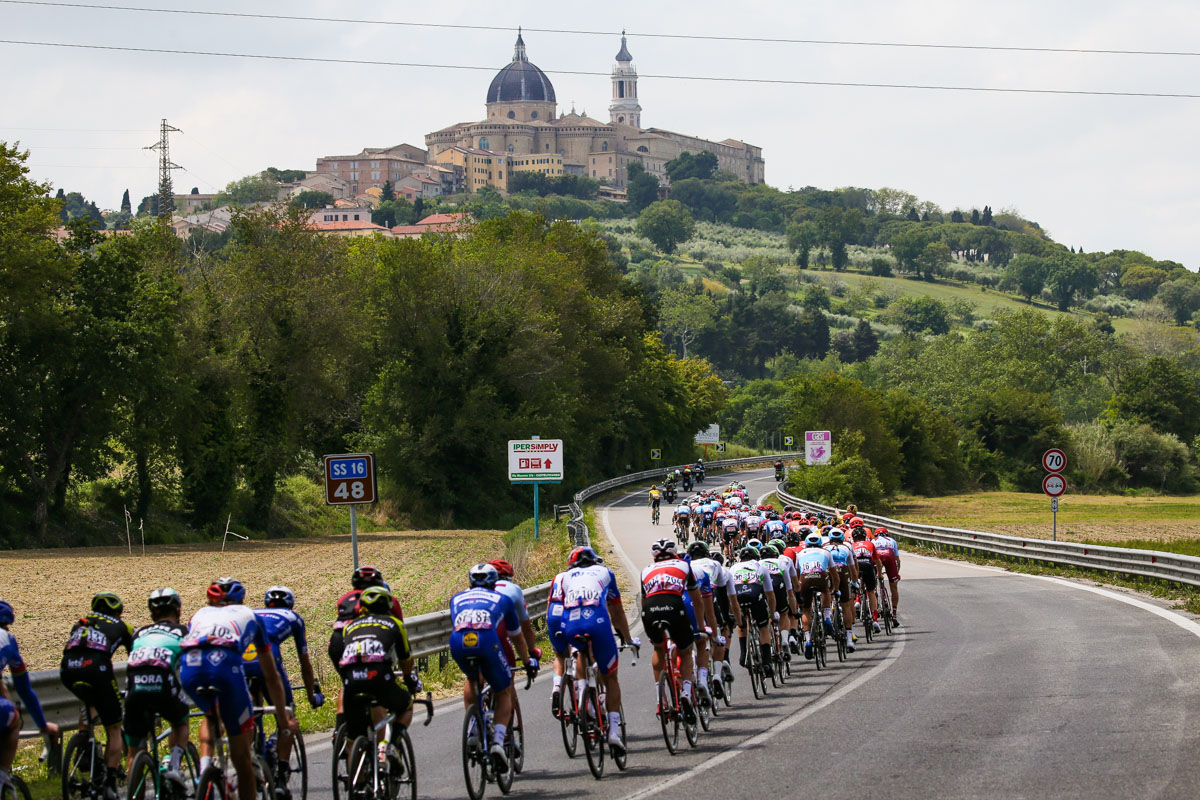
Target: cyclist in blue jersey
point(481, 618)
point(817, 576)
point(217, 636)
point(10, 718)
point(847, 568)
point(281, 623)
point(554, 623)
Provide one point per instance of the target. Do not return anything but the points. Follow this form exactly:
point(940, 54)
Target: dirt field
point(49, 588)
point(1107, 519)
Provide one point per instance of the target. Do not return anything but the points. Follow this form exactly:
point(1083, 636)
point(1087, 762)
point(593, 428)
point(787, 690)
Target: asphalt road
point(998, 685)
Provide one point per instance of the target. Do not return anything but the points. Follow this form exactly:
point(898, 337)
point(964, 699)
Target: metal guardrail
point(1155, 564)
point(579, 531)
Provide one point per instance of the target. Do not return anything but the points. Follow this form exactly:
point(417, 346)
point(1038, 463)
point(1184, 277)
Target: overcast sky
point(1097, 172)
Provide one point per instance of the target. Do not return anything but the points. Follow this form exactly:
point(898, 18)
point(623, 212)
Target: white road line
point(784, 724)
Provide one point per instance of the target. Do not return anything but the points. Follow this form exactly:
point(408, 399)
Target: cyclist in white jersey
point(723, 599)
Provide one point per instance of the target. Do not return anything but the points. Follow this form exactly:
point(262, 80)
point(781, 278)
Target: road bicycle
point(862, 610)
point(779, 656)
point(83, 766)
point(839, 626)
point(568, 712)
point(591, 709)
point(220, 781)
point(669, 710)
point(753, 656)
point(885, 606)
point(14, 789)
point(478, 733)
point(381, 764)
point(289, 776)
point(817, 632)
point(148, 773)
point(654, 516)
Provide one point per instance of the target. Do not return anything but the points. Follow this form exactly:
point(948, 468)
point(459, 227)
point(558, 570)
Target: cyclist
point(717, 589)
point(868, 571)
point(783, 582)
point(152, 681)
point(282, 623)
point(592, 606)
point(482, 618)
point(847, 569)
point(217, 636)
point(554, 624)
point(889, 558)
point(347, 608)
point(729, 614)
point(682, 517)
point(778, 470)
point(817, 575)
point(10, 718)
point(664, 613)
point(376, 664)
point(756, 598)
point(87, 671)
point(655, 499)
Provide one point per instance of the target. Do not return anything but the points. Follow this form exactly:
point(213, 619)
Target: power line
point(78, 130)
point(647, 35)
point(712, 78)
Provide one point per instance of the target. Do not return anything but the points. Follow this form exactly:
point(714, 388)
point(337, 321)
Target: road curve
point(998, 685)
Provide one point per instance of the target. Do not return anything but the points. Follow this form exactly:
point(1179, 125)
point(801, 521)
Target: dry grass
point(50, 588)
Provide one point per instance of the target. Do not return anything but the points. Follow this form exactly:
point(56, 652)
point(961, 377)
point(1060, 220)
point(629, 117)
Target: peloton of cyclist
point(664, 613)
point(10, 718)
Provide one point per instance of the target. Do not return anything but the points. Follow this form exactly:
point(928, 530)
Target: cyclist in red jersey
point(889, 557)
point(869, 569)
point(664, 613)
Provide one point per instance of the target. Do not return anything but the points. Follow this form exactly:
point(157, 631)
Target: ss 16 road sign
point(350, 479)
point(1054, 460)
point(535, 460)
point(1054, 485)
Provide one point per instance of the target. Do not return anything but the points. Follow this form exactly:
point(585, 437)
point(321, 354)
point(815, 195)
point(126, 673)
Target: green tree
point(866, 343)
point(642, 187)
point(1181, 297)
point(1160, 393)
point(1026, 275)
point(312, 198)
point(934, 259)
point(701, 165)
point(125, 205)
point(1070, 278)
point(1016, 426)
point(248, 190)
point(839, 226)
point(1141, 281)
point(931, 461)
point(802, 237)
point(388, 192)
point(920, 314)
point(685, 315)
point(667, 224)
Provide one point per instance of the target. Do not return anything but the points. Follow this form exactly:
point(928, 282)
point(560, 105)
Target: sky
point(1099, 173)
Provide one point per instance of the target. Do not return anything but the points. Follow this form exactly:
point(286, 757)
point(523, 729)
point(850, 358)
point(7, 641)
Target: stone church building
point(523, 119)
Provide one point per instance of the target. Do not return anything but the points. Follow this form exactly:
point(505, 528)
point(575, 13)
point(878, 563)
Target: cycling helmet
point(483, 575)
point(166, 599)
point(755, 543)
point(503, 567)
point(654, 486)
point(747, 553)
point(797, 515)
point(663, 548)
point(7, 614)
point(858, 534)
point(583, 557)
point(226, 592)
point(856, 522)
point(366, 576)
point(837, 536)
point(698, 550)
point(813, 540)
point(852, 509)
point(279, 597)
point(376, 600)
point(107, 603)
point(881, 531)
point(792, 539)
point(718, 557)
point(769, 550)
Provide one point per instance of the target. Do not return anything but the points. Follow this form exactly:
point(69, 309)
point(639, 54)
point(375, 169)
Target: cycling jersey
point(814, 560)
point(751, 582)
point(212, 657)
point(864, 554)
point(347, 609)
point(671, 576)
point(86, 667)
point(587, 593)
point(554, 616)
point(889, 555)
point(753, 523)
point(374, 646)
point(774, 526)
point(717, 577)
point(280, 625)
point(781, 570)
point(481, 619)
point(840, 553)
point(10, 656)
point(151, 681)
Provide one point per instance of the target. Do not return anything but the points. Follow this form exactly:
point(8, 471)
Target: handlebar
point(428, 703)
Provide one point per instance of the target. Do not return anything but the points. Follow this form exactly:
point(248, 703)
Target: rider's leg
point(9, 740)
point(659, 659)
point(243, 764)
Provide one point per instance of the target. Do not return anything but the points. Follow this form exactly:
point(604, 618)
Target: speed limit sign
point(350, 479)
point(1054, 460)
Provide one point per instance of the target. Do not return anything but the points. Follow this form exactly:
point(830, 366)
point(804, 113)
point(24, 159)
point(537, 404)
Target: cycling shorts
point(258, 684)
point(667, 611)
point(781, 601)
point(592, 622)
point(151, 692)
point(753, 602)
point(811, 585)
point(729, 534)
point(554, 626)
point(8, 713)
point(891, 565)
point(866, 574)
point(722, 608)
point(691, 612)
point(482, 650)
point(383, 689)
point(654, 502)
point(220, 668)
point(91, 680)
point(843, 581)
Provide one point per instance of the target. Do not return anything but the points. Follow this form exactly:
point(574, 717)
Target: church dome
point(521, 81)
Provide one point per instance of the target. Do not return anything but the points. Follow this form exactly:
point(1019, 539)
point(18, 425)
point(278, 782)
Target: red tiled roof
point(443, 219)
point(408, 230)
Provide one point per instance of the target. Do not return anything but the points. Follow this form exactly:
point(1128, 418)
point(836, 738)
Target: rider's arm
point(735, 606)
point(616, 612)
point(306, 668)
point(283, 717)
point(710, 614)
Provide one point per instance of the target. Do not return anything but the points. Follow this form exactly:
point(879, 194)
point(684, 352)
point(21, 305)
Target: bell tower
point(624, 108)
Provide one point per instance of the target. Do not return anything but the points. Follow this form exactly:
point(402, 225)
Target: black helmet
point(748, 553)
point(366, 576)
point(107, 603)
point(376, 600)
point(166, 599)
point(698, 550)
point(718, 557)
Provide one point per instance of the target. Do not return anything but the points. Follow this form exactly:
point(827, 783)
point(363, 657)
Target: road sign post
point(1054, 485)
point(818, 447)
point(350, 480)
point(537, 461)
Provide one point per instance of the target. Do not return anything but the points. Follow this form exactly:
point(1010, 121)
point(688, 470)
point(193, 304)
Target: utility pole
point(166, 191)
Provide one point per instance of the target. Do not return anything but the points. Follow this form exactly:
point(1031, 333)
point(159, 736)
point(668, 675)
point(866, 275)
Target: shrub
point(851, 480)
point(880, 267)
point(1095, 465)
point(1155, 460)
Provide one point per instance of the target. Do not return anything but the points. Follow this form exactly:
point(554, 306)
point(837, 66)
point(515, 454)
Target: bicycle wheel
point(752, 659)
point(212, 784)
point(264, 779)
point(338, 764)
point(885, 609)
point(691, 730)
point(667, 715)
point(402, 770)
point(593, 732)
point(15, 789)
point(361, 769)
point(142, 778)
point(621, 759)
point(474, 753)
point(77, 766)
point(728, 687)
point(189, 765)
point(713, 679)
point(839, 632)
point(703, 705)
point(568, 720)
